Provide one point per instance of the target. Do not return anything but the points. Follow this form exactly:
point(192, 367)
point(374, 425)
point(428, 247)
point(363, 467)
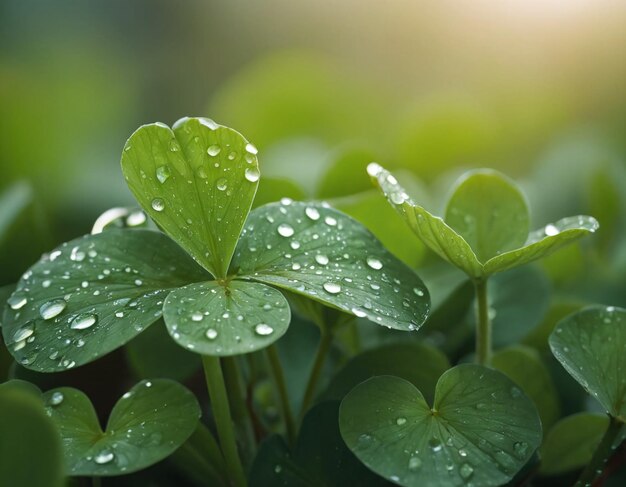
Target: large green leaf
point(215, 319)
point(91, 296)
point(30, 447)
point(432, 230)
point(524, 366)
point(420, 364)
point(590, 345)
point(481, 428)
point(570, 443)
point(489, 211)
point(197, 181)
point(319, 252)
point(146, 425)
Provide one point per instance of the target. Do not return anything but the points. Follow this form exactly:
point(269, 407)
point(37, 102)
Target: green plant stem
point(281, 388)
point(483, 323)
point(223, 420)
point(601, 455)
point(238, 407)
point(326, 340)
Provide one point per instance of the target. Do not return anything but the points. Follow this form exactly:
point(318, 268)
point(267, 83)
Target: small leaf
point(481, 429)
point(91, 296)
point(222, 320)
point(146, 425)
point(197, 181)
point(432, 230)
point(590, 346)
point(570, 443)
point(30, 447)
point(489, 211)
point(319, 252)
point(544, 242)
point(524, 366)
point(420, 364)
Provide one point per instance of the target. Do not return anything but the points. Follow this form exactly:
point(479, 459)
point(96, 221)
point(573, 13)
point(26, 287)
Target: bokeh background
point(535, 88)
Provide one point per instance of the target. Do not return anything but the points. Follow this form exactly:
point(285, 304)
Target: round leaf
point(432, 230)
point(91, 296)
point(489, 211)
point(590, 345)
point(223, 320)
point(319, 252)
point(481, 429)
point(146, 425)
point(197, 181)
point(30, 447)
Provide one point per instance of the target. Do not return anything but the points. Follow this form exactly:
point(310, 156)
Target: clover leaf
point(147, 424)
point(481, 428)
point(485, 229)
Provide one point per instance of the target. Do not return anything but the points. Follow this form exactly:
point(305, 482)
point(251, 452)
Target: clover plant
point(203, 276)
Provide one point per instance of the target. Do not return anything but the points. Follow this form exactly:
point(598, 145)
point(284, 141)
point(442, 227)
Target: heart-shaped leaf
point(570, 443)
point(30, 447)
point(481, 428)
point(492, 230)
point(230, 319)
point(319, 252)
point(432, 230)
point(197, 181)
point(91, 296)
point(420, 364)
point(489, 211)
point(146, 425)
point(590, 345)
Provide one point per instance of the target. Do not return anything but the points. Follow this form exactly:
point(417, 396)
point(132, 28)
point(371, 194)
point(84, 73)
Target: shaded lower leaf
point(571, 442)
point(274, 465)
point(321, 253)
point(91, 296)
point(524, 366)
point(30, 447)
point(590, 345)
point(420, 364)
point(146, 425)
point(238, 317)
point(481, 428)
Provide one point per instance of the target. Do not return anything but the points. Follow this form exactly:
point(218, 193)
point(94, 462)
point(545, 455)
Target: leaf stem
point(281, 388)
point(223, 420)
point(601, 455)
point(483, 323)
point(323, 348)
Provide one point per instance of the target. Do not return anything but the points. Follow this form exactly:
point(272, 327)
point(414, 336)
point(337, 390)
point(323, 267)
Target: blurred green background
point(534, 88)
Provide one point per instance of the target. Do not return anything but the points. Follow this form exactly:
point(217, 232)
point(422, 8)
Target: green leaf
point(420, 364)
point(590, 346)
point(570, 443)
point(30, 447)
point(91, 296)
point(481, 429)
point(544, 242)
point(489, 211)
point(524, 366)
point(314, 250)
point(432, 230)
point(197, 182)
point(146, 425)
point(21, 386)
point(222, 320)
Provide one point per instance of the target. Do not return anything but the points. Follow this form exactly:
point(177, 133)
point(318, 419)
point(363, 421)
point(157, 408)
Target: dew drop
point(213, 150)
point(330, 221)
point(321, 259)
point(551, 230)
point(56, 398)
point(84, 321)
point(285, 230)
point(466, 471)
point(418, 291)
point(163, 173)
point(197, 316)
point(332, 287)
point(414, 463)
point(104, 457)
point(17, 301)
point(263, 329)
point(251, 149)
point(312, 213)
point(23, 333)
point(52, 309)
point(211, 333)
point(252, 174)
point(401, 421)
point(158, 204)
point(374, 263)
point(435, 444)
point(221, 184)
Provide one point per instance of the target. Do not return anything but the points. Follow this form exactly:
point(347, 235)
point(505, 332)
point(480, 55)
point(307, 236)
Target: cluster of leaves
point(198, 273)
